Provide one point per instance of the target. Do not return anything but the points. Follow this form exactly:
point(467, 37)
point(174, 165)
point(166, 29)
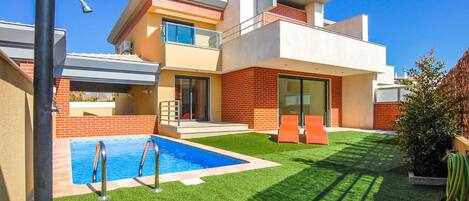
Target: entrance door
point(193, 94)
point(303, 96)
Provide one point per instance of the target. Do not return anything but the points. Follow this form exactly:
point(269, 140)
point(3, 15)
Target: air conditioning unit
point(125, 47)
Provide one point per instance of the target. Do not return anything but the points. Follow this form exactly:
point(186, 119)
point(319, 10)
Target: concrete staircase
point(188, 130)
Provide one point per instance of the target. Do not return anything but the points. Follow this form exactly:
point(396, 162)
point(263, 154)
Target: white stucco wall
point(281, 40)
point(357, 100)
point(238, 11)
point(386, 78)
point(233, 11)
point(356, 26)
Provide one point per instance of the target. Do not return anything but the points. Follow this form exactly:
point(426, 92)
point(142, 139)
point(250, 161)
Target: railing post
point(157, 188)
point(159, 110)
point(179, 112)
point(151, 142)
point(168, 110)
point(101, 150)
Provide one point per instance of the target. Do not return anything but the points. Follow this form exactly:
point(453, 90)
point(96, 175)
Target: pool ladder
point(151, 143)
point(101, 150)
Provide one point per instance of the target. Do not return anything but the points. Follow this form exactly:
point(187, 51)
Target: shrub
point(427, 127)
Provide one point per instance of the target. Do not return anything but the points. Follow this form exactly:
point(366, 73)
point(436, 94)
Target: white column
point(315, 14)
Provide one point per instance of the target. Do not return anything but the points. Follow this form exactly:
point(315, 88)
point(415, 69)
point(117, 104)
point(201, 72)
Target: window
point(178, 32)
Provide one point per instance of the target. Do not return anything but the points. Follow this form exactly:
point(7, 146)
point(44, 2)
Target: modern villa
point(307, 96)
point(226, 66)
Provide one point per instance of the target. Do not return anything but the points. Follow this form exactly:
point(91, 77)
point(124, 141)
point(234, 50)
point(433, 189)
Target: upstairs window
point(178, 32)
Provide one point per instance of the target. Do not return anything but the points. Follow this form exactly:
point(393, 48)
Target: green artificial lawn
point(355, 166)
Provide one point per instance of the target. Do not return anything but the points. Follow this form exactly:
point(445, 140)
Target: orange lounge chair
point(314, 130)
point(288, 131)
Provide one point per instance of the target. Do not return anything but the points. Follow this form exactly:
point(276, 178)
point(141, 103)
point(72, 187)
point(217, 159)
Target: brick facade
point(250, 96)
point(62, 96)
point(28, 68)
point(289, 12)
point(189, 8)
point(385, 115)
point(458, 81)
point(85, 126)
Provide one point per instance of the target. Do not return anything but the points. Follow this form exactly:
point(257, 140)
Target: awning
point(108, 68)
point(17, 41)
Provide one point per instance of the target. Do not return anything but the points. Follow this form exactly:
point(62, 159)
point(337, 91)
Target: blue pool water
point(123, 158)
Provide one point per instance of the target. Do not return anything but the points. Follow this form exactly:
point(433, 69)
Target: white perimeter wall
point(358, 100)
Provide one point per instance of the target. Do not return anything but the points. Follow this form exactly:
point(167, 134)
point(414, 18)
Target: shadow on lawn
point(371, 169)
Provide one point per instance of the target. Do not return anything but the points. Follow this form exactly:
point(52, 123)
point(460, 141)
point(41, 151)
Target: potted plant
point(427, 126)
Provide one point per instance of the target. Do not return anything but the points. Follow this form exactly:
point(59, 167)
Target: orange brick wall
point(385, 115)
point(189, 8)
point(289, 12)
point(250, 96)
point(28, 68)
point(85, 126)
point(62, 96)
point(238, 97)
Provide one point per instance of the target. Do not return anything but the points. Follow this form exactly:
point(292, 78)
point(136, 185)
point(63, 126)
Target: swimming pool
point(123, 158)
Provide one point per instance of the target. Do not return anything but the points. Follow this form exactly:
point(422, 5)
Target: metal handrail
point(101, 150)
point(166, 106)
point(263, 21)
point(238, 29)
point(151, 142)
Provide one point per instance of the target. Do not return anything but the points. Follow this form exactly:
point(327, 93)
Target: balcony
point(273, 41)
point(191, 48)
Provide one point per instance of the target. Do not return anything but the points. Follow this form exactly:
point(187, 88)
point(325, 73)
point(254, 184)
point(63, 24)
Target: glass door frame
point(301, 79)
point(207, 98)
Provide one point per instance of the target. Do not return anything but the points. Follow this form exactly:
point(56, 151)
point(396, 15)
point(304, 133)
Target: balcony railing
point(254, 23)
point(266, 18)
point(188, 35)
point(392, 94)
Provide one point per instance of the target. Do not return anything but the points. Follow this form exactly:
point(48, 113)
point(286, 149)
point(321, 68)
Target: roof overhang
point(103, 70)
point(320, 51)
point(17, 41)
point(135, 9)
point(131, 10)
point(301, 3)
point(218, 4)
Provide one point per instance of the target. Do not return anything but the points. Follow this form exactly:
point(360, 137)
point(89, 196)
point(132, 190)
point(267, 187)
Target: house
point(187, 68)
point(251, 61)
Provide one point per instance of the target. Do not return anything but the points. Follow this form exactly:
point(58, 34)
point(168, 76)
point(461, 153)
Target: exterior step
point(201, 129)
point(212, 129)
point(200, 135)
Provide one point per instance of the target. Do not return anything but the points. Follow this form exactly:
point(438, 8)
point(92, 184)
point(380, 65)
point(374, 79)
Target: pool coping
point(62, 168)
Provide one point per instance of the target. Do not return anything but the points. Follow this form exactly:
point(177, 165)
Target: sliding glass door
point(193, 94)
point(303, 96)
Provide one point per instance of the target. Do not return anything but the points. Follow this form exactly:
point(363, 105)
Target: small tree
point(427, 126)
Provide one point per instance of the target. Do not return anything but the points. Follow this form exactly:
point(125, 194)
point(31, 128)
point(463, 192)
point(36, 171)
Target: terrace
point(277, 41)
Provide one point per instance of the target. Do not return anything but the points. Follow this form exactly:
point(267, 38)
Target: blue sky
point(408, 28)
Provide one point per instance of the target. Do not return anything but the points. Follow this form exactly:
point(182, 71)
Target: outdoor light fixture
point(86, 8)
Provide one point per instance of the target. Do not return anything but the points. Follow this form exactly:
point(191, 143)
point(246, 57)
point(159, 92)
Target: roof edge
point(127, 15)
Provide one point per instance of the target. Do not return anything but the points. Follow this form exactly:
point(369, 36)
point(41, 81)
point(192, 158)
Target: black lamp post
point(43, 83)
